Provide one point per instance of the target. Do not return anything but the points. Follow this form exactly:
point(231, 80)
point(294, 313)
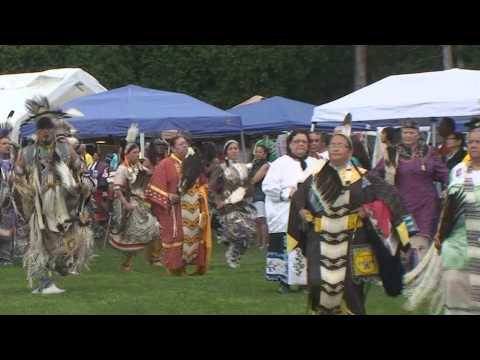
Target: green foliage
point(225, 75)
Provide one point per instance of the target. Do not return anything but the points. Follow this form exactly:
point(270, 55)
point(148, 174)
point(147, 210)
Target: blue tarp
point(278, 114)
point(111, 113)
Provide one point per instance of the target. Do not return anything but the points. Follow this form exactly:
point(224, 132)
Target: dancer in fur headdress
point(448, 278)
point(53, 201)
point(349, 226)
point(133, 226)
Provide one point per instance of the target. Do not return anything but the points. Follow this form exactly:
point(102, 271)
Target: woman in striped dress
point(197, 234)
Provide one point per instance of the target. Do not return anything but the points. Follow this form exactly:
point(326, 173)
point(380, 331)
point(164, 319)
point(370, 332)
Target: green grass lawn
point(105, 290)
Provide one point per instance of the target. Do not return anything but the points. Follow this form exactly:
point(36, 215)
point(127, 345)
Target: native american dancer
point(350, 227)
point(229, 186)
point(132, 224)
point(197, 233)
point(163, 192)
point(279, 185)
point(413, 168)
point(448, 278)
point(98, 173)
point(258, 172)
point(156, 152)
point(53, 200)
point(13, 229)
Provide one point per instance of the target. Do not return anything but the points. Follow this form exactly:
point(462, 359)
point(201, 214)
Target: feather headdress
point(194, 165)
point(132, 135)
point(346, 128)
point(6, 127)
point(328, 181)
point(347, 125)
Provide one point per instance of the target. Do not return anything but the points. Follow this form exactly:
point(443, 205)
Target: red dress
point(165, 181)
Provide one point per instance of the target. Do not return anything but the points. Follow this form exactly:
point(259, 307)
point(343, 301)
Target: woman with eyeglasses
point(350, 226)
point(279, 186)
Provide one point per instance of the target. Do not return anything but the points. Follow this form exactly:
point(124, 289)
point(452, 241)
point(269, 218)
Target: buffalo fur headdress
point(40, 111)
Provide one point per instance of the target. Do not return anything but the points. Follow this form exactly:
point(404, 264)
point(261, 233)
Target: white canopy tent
point(453, 93)
point(59, 86)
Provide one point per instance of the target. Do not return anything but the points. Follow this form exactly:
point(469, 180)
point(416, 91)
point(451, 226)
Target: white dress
point(283, 176)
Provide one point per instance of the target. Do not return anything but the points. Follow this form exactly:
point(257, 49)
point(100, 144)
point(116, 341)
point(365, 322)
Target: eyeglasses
point(299, 142)
point(337, 146)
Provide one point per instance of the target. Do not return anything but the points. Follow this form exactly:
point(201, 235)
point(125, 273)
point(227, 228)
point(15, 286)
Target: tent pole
point(434, 133)
point(244, 149)
point(142, 146)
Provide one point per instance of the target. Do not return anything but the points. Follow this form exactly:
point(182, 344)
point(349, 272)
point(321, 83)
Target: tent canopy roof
point(454, 93)
point(111, 113)
point(276, 114)
point(59, 86)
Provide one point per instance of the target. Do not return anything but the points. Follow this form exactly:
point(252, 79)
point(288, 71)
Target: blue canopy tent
point(277, 114)
point(111, 113)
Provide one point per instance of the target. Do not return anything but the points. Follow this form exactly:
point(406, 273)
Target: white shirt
point(283, 176)
point(324, 155)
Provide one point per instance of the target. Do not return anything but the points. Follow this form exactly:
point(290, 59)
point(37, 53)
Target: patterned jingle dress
point(195, 219)
point(230, 184)
point(132, 230)
point(342, 249)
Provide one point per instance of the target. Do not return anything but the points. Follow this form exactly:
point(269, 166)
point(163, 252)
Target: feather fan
point(329, 183)
point(452, 210)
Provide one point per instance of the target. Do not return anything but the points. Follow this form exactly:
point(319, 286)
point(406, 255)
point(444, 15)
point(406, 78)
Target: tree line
point(225, 75)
